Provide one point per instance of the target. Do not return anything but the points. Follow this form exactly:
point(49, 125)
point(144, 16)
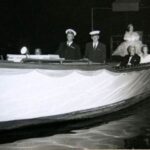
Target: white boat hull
point(35, 93)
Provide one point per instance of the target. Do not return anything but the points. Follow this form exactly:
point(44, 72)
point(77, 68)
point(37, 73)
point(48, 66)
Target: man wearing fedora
point(95, 51)
point(69, 50)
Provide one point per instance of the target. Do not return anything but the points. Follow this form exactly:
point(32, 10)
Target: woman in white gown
point(145, 56)
point(131, 38)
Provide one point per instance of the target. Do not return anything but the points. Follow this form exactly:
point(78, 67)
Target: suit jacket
point(95, 55)
point(135, 60)
point(71, 52)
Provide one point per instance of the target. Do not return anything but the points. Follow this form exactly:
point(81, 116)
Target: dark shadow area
point(43, 130)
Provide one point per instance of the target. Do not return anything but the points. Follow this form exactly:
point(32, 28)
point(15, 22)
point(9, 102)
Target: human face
point(37, 51)
point(70, 37)
point(95, 38)
point(132, 51)
point(145, 50)
point(131, 28)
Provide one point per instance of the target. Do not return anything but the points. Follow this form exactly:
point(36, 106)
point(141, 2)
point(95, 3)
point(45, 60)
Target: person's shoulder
point(135, 33)
point(127, 35)
point(136, 55)
point(75, 44)
point(126, 56)
point(102, 45)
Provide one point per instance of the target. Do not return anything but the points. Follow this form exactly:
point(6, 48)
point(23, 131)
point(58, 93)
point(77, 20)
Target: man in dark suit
point(69, 50)
point(95, 51)
point(132, 59)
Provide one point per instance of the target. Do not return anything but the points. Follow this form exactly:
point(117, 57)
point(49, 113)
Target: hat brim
point(71, 31)
point(94, 33)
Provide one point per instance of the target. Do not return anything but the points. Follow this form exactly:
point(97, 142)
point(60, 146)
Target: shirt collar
point(69, 43)
point(95, 43)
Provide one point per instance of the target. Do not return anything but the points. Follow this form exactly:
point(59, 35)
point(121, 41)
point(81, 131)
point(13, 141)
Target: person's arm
point(138, 60)
point(124, 61)
point(126, 36)
point(135, 60)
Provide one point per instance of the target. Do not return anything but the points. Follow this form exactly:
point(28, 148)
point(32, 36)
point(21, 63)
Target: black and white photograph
point(74, 74)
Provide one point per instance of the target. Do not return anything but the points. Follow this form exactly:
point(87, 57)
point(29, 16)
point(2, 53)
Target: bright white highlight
point(30, 93)
point(24, 50)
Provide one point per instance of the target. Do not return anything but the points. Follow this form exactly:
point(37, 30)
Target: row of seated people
point(134, 59)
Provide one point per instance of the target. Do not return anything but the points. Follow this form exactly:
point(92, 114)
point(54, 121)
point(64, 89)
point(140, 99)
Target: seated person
point(145, 56)
point(69, 50)
point(132, 59)
point(1, 57)
point(95, 50)
point(131, 38)
point(24, 51)
point(38, 51)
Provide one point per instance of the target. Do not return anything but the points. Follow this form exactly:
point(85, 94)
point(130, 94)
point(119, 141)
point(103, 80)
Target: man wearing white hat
point(69, 50)
point(95, 51)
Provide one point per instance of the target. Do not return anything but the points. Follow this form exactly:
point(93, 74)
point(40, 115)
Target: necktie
point(129, 61)
point(94, 46)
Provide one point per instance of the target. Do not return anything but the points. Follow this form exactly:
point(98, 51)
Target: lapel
point(91, 45)
point(133, 58)
point(98, 46)
point(72, 46)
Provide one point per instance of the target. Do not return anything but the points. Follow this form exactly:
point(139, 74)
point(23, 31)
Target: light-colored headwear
point(24, 50)
point(71, 31)
point(96, 32)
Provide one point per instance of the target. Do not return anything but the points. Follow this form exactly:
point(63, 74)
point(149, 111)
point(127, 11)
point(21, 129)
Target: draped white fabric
point(32, 93)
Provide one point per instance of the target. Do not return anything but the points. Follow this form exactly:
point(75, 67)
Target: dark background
point(42, 23)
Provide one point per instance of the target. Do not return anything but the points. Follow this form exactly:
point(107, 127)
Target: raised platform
point(42, 94)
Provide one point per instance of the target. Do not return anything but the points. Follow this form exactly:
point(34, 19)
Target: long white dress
point(145, 59)
point(130, 39)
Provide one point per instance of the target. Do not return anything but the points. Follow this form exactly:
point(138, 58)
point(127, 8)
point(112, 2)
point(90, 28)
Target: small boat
point(41, 95)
